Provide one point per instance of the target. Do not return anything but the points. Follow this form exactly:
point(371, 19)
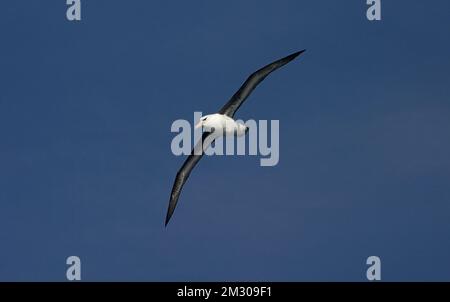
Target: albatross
point(221, 123)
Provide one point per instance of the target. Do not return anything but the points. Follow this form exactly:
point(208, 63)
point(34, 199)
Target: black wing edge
point(182, 176)
point(252, 81)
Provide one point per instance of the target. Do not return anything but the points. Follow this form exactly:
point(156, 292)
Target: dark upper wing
point(183, 175)
point(252, 81)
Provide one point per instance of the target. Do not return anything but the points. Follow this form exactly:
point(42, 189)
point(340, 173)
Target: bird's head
point(204, 121)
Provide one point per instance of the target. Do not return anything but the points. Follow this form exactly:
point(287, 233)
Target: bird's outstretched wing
point(183, 175)
point(229, 109)
point(252, 81)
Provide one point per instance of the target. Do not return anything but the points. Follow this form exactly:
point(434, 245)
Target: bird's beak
point(199, 125)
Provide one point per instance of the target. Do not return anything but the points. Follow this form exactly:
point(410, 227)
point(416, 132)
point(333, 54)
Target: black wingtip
point(170, 211)
point(293, 56)
point(296, 54)
point(167, 219)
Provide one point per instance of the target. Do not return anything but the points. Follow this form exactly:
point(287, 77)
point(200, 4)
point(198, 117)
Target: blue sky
point(86, 167)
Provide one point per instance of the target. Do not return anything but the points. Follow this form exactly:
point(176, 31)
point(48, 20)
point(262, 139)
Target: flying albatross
point(221, 123)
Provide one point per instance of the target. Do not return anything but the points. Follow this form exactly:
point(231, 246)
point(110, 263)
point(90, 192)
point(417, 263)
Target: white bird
point(221, 123)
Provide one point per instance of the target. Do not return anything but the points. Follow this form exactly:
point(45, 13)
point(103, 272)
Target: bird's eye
point(204, 119)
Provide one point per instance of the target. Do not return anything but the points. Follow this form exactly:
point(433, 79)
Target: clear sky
point(86, 167)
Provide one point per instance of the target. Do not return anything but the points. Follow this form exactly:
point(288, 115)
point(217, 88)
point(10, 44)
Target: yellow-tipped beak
point(199, 125)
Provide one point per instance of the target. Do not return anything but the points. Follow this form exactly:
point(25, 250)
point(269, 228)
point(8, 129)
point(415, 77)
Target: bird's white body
point(222, 125)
